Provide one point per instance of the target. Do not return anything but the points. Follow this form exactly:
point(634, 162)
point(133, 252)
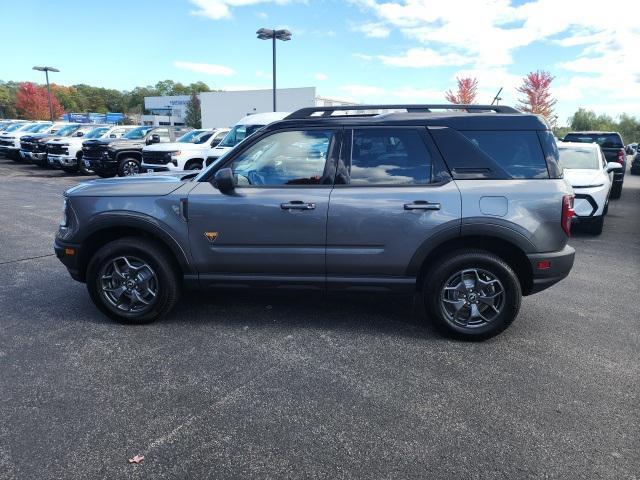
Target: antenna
point(497, 98)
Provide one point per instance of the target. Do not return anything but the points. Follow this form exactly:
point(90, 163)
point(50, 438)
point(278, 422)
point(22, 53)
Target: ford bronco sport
point(466, 208)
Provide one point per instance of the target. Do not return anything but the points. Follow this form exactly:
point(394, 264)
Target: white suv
point(591, 177)
point(186, 153)
point(66, 153)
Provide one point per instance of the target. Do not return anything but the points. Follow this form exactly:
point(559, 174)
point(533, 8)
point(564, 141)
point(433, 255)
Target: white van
point(241, 130)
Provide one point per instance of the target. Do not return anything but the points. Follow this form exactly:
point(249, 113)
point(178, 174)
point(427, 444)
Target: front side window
point(285, 158)
point(518, 152)
point(238, 133)
point(389, 156)
point(137, 133)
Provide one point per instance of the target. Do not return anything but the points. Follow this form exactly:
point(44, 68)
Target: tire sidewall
point(435, 283)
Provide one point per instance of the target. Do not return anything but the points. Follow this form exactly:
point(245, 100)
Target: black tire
point(616, 191)
point(162, 266)
point(82, 168)
point(595, 225)
point(635, 171)
point(128, 166)
point(469, 260)
point(16, 158)
point(193, 165)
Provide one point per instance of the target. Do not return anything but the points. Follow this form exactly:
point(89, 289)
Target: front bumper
point(69, 255)
point(557, 267)
point(33, 157)
point(62, 160)
point(153, 168)
point(101, 165)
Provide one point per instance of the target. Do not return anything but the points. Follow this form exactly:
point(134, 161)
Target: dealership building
point(225, 108)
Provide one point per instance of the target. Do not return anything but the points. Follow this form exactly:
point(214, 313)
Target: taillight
point(621, 156)
point(567, 213)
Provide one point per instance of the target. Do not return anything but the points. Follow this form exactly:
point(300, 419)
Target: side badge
point(211, 236)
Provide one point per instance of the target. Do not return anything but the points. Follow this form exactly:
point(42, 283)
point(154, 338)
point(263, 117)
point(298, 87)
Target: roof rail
point(427, 108)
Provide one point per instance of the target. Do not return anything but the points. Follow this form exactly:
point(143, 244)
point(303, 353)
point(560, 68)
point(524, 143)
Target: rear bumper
point(560, 264)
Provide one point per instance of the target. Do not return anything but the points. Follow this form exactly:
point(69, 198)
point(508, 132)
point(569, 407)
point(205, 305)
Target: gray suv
point(462, 205)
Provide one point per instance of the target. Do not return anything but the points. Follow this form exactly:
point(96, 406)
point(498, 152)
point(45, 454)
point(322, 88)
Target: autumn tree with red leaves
point(32, 102)
point(467, 91)
point(536, 88)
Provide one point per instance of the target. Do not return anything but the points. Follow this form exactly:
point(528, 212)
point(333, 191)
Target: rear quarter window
point(518, 152)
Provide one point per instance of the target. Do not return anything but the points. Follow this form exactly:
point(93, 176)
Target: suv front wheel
point(472, 294)
point(132, 280)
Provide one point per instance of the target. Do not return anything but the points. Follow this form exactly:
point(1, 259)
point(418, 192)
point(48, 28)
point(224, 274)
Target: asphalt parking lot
point(255, 386)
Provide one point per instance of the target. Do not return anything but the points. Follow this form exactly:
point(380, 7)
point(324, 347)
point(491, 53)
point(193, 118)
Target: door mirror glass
point(224, 180)
point(154, 138)
point(79, 134)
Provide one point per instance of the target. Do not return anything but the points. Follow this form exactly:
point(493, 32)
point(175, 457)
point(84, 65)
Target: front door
point(272, 228)
point(392, 195)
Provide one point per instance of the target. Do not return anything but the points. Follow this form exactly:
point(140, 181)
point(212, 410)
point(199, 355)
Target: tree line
point(29, 100)
point(536, 97)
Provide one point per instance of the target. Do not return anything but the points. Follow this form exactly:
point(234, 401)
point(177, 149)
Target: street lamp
point(170, 110)
point(46, 71)
point(267, 34)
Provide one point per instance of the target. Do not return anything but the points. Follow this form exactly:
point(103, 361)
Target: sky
point(374, 51)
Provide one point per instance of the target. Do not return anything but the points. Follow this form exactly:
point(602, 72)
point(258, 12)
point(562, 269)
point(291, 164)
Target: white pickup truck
point(186, 153)
point(66, 152)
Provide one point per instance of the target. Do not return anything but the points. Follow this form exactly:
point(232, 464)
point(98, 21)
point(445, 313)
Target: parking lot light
point(273, 35)
point(46, 71)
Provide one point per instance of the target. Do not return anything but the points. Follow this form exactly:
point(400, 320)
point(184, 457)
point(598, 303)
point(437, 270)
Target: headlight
point(176, 153)
point(589, 186)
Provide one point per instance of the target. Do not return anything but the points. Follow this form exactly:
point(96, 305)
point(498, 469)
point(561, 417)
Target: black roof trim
point(426, 108)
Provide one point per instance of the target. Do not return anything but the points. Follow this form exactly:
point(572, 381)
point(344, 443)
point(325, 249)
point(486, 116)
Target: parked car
point(109, 157)
point(613, 149)
point(591, 177)
point(66, 152)
point(468, 210)
point(241, 130)
point(33, 146)
point(10, 138)
point(635, 163)
point(186, 153)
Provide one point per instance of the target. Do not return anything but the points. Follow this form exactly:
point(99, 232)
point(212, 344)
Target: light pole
point(267, 34)
point(170, 108)
point(46, 71)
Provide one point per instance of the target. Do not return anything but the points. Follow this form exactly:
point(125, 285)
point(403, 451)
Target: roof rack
point(328, 111)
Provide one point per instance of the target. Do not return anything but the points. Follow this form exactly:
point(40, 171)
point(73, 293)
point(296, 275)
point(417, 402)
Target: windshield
point(137, 133)
point(97, 132)
point(66, 130)
point(195, 136)
point(15, 127)
point(237, 134)
point(585, 158)
point(605, 140)
point(40, 127)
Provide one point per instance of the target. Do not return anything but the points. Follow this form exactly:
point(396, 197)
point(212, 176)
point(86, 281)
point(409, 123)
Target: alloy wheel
point(472, 298)
point(129, 284)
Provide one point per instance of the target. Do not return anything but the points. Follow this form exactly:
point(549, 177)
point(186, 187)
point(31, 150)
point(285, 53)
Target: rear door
point(272, 228)
point(392, 197)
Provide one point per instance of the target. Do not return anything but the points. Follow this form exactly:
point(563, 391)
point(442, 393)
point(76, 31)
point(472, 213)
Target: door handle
point(297, 205)
point(422, 205)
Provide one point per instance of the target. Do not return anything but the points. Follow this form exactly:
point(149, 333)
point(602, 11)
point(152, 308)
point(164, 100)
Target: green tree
point(192, 115)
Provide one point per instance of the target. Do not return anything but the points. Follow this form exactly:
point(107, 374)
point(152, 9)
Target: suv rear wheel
point(472, 294)
point(128, 166)
point(132, 280)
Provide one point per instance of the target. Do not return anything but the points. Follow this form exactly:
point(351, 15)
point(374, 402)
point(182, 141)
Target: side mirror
point(224, 180)
point(614, 167)
point(154, 138)
point(113, 135)
point(79, 134)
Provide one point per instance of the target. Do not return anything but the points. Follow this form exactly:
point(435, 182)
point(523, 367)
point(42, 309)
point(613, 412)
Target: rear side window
point(605, 140)
point(518, 152)
point(389, 156)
